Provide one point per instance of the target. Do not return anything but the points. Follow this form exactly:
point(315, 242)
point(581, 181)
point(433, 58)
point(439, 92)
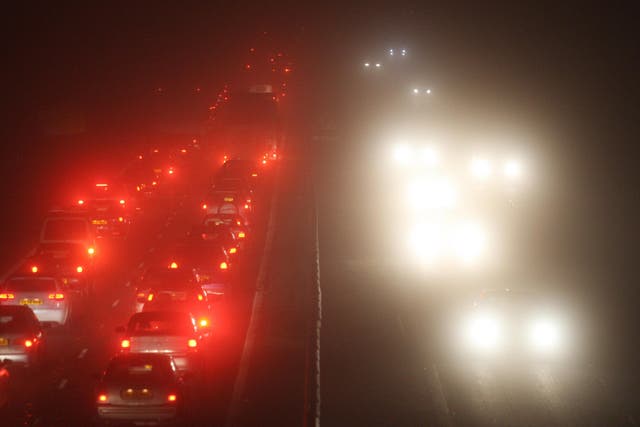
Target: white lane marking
point(318, 313)
point(237, 395)
point(115, 303)
point(83, 353)
point(63, 384)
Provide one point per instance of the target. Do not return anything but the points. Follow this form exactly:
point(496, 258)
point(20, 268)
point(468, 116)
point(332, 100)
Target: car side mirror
point(120, 330)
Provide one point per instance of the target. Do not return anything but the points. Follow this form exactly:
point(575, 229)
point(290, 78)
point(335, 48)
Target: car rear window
point(161, 323)
point(31, 285)
point(15, 321)
point(65, 229)
point(146, 369)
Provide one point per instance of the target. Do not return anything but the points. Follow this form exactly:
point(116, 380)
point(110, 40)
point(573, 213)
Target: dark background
point(86, 77)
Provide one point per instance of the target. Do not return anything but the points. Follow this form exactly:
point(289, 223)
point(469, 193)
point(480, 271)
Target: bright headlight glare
point(481, 168)
point(438, 194)
point(512, 169)
point(430, 156)
point(425, 242)
point(402, 154)
point(484, 331)
point(545, 334)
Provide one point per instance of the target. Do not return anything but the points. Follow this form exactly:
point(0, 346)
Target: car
point(230, 196)
point(187, 298)
point(110, 207)
point(173, 333)
point(234, 223)
point(141, 388)
point(20, 336)
point(65, 233)
point(142, 180)
point(46, 296)
point(71, 268)
point(513, 324)
point(243, 169)
point(220, 235)
point(160, 276)
point(210, 262)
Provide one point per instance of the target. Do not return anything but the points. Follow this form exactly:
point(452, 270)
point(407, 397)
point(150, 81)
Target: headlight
point(481, 168)
point(545, 335)
point(425, 242)
point(402, 154)
point(512, 169)
point(484, 331)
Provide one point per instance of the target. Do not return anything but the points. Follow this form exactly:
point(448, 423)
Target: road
point(384, 359)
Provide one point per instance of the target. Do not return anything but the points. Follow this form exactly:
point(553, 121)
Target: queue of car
point(169, 335)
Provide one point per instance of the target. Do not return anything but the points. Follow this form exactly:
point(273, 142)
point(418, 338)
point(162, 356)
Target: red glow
point(125, 343)
point(241, 235)
point(247, 66)
point(7, 296)
point(56, 296)
point(204, 206)
point(34, 269)
point(102, 185)
point(79, 269)
point(120, 219)
point(150, 297)
point(81, 202)
point(91, 251)
point(287, 69)
point(102, 398)
point(254, 175)
point(172, 398)
point(28, 343)
point(139, 156)
point(192, 343)
point(173, 265)
point(264, 161)
point(223, 265)
point(203, 323)
point(233, 250)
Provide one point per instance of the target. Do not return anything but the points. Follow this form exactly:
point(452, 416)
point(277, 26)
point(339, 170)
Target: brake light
point(6, 296)
point(141, 295)
point(125, 343)
point(81, 202)
point(173, 265)
point(264, 161)
point(246, 205)
point(56, 296)
point(79, 269)
point(122, 202)
point(241, 235)
point(200, 297)
point(170, 171)
point(102, 185)
point(139, 156)
point(223, 265)
point(203, 323)
point(34, 269)
point(91, 251)
point(233, 250)
point(150, 297)
point(204, 206)
point(120, 219)
point(183, 150)
point(192, 343)
point(254, 175)
point(28, 343)
point(102, 398)
point(154, 183)
point(172, 398)
point(238, 222)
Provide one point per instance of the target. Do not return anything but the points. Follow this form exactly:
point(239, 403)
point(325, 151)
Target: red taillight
point(241, 235)
point(204, 206)
point(264, 161)
point(102, 398)
point(192, 343)
point(56, 296)
point(154, 183)
point(79, 269)
point(122, 202)
point(172, 398)
point(125, 343)
point(81, 202)
point(203, 323)
point(34, 269)
point(91, 251)
point(223, 265)
point(233, 250)
point(120, 219)
point(254, 175)
point(150, 297)
point(6, 296)
point(170, 171)
point(200, 297)
point(28, 343)
point(173, 265)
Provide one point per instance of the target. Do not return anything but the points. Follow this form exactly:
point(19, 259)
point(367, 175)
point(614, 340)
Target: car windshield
point(147, 369)
point(160, 323)
point(66, 229)
point(31, 285)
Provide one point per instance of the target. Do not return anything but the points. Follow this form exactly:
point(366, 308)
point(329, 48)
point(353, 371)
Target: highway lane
point(383, 358)
point(62, 393)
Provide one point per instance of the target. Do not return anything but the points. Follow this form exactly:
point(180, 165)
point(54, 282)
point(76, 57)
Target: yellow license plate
point(4, 341)
point(99, 221)
point(31, 301)
point(228, 199)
